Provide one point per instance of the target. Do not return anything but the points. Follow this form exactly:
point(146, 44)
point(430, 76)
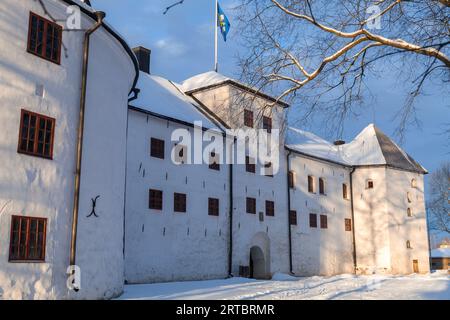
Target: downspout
point(289, 212)
point(353, 219)
point(79, 153)
point(230, 218)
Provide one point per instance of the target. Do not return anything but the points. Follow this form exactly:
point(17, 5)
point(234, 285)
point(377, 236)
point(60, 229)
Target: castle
point(95, 192)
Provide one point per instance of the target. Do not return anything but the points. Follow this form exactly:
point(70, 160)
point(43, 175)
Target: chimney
point(339, 142)
point(143, 56)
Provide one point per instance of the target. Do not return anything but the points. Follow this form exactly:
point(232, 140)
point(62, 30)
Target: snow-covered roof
point(163, 97)
point(440, 253)
point(212, 79)
point(370, 147)
point(310, 144)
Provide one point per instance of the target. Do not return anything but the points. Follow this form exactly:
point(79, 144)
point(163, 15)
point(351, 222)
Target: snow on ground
point(285, 287)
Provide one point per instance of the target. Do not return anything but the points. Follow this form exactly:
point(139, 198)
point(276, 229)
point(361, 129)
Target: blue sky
point(182, 45)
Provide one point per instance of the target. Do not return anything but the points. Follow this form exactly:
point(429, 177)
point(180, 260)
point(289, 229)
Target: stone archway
point(259, 256)
point(257, 263)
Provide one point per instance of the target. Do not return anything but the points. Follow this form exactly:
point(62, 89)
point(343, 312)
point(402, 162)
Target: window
point(213, 207)
point(268, 169)
point(267, 124)
point(155, 199)
point(293, 218)
point(248, 118)
point(250, 165)
point(44, 38)
point(157, 148)
point(180, 154)
point(413, 183)
point(369, 184)
point(27, 242)
point(251, 205)
point(311, 184)
point(409, 212)
point(408, 244)
point(409, 197)
point(313, 220)
point(348, 224)
point(321, 186)
point(214, 161)
point(345, 191)
point(36, 135)
point(291, 179)
point(270, 208)
point(179, 202)
point(323, 221)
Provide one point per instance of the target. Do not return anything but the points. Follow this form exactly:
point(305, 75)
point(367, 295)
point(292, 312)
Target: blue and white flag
point(223, 22)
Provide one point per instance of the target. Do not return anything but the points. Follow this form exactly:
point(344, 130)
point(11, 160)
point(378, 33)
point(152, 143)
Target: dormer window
point(44, 38)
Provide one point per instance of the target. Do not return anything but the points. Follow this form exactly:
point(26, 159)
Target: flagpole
point(216, 63)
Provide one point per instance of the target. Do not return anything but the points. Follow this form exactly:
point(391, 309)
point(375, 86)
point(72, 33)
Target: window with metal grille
point(27, 242)
point(179, 202)
point(248, 118)
point(323, 221)
point(36, 135)
point(293, 217)
point(250, 165)
point(251, 205)
point(311, 184)
point(267, 124)
point(213, 206)
point(322, 186)
point(155, 199)
point(214, 161)
point(157, 148)
point(348, 224)
point(313, 220)
point(270, 208)
point(44, 38)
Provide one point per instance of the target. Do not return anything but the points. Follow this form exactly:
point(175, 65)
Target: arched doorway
point(257, 263)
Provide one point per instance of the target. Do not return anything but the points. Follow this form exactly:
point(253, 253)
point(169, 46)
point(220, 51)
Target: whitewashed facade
point(344, 208)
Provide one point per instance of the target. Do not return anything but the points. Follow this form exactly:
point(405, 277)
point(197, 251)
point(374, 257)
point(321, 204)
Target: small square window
point(179, 202)
point(293, 218)
point(348, 224)
point(251, 205)
point(270, 208)
point(323, 221)
point(213, 207)
point(313, 220)
point(157, 148)
point(369, 184)
point(155, 199)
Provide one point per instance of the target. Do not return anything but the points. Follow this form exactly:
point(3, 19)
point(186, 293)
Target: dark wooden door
point(416, 266)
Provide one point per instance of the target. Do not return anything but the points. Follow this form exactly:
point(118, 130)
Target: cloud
point(171, 46)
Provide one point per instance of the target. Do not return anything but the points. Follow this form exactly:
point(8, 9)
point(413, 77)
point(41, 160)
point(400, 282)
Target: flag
point(223, 22)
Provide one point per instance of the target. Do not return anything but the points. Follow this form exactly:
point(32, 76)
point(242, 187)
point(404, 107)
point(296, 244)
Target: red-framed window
point(179, 202)
point(250, 165)
point(293, 217)
point(348, 224)
point(311, 184)
point(214, 161)
point(251, 205)
point(44, 38)
point(213, 207)
point(157, 148)
point(27, 240)
point(248, 118)
point(322, 186)
point(267, 124)
point(313, 220)
point(323, 221)
point(36, 134)
point(270, 208)
point(155, 199)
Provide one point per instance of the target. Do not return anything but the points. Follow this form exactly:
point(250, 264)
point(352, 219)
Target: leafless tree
point(439, 202)
point(319, 54)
